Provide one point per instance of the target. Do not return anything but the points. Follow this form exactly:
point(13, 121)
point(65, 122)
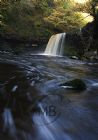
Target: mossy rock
point(76, 84)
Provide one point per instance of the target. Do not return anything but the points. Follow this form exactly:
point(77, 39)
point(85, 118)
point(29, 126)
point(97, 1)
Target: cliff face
point(83, 44)
point(90, 34)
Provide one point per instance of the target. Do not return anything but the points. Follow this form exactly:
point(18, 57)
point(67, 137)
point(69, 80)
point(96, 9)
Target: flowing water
point(34, 103)
point(31, 82)
point(55, 45)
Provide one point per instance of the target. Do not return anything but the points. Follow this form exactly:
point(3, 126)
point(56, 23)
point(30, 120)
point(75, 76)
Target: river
point(29, 82)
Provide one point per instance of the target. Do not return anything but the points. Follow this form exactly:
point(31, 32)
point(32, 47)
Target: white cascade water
point(55, 44)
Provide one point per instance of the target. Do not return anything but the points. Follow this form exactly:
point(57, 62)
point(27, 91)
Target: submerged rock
point(76, 84)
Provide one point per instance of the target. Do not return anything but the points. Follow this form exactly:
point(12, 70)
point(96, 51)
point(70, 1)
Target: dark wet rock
point(76, 84)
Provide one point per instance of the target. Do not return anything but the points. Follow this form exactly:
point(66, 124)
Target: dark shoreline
point(14, 39)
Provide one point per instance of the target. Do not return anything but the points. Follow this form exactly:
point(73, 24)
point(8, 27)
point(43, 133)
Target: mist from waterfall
point(55, 45)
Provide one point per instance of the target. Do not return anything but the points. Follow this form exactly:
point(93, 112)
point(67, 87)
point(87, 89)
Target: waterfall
point(55, 44)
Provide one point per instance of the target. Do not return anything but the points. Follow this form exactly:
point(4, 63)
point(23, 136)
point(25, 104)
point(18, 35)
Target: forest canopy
point(38, 18)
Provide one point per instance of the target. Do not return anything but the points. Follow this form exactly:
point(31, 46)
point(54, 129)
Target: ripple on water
point(27, 76)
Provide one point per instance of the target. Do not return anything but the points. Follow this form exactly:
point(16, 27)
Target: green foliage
point(91, 7)
point(21, 19)
point(65, 18)
point(34, 18)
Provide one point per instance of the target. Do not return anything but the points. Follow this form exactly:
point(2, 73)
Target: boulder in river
point(76, 84)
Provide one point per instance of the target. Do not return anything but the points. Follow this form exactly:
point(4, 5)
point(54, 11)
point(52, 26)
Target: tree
point(24, 17)
point(64, 16)
point(35, 17)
